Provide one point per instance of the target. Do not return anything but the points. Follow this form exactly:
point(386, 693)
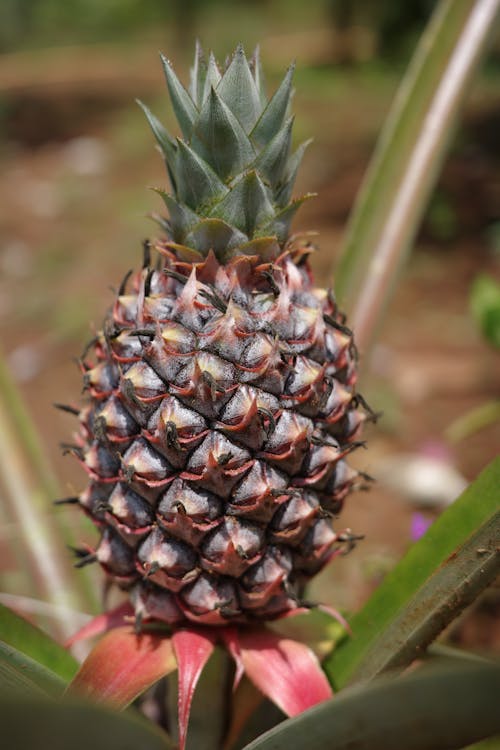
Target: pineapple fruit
point(221, 389)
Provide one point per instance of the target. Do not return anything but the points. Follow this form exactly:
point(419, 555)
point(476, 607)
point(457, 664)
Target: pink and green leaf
point(192, 649)
point(115, 618)
point(286, 671)
point(123, 665)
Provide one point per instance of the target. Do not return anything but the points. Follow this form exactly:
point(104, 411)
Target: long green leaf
point(432, 709)
point(408, 157)
point(13, 681)
point(388, 605)
point(41, 723)
point(22, 635)
point(454, 585)
point(28, 492)
point(14, 663)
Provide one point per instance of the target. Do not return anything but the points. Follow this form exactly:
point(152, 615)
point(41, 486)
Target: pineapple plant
point(222, 387)
point(259, 289)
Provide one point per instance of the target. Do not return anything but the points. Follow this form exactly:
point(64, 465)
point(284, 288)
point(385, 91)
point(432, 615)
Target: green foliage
point(41, 723)
point(83, 19)
point(20, 634)
point(438, 601)
point(400, 607)
point(443, 708)
point(233, 173)
point(20, 672)
point(406, 162)
point(432, 709)
point(485, 306)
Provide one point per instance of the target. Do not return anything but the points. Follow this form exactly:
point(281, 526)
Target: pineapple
point(221, 389)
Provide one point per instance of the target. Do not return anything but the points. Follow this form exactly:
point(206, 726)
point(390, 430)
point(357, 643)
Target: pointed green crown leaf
point(232, 172)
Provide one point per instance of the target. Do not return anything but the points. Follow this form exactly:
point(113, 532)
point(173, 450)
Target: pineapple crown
point(232, 172)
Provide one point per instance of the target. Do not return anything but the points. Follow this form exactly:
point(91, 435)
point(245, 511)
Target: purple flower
point(419, 525)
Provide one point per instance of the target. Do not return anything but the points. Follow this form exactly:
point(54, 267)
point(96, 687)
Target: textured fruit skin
point(221, 408)
point(221, 396)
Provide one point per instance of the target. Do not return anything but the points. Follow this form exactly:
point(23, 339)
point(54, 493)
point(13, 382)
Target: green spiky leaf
point(197, 183)
point(446, 593)
point(284, 194)
point(216, 235)
point(258, 75)
point(166, 143)
point(234, 161)
point(246, 205)
point(197, 76)
point(220, 139)
point(238, 90)
point(272, 161)
point(212, 77)
point(183, 105)
point(280, 223)
point(181, 217)
point(273, 116)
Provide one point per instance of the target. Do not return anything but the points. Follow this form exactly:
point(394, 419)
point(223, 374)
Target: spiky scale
point(221, 392)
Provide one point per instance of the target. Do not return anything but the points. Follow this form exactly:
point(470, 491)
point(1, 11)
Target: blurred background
point(77, 157)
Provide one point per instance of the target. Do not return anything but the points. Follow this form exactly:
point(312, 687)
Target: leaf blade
point(183, 106)
point(408, 156)
point(286, 671)
point(453, 586)
point(123, 664)
point(237, 88)
point(102, 623)
point(435, 709)
point(15, 664)
point(192, 650)
point(76, 725)
point(473, 508)
point(22, 635)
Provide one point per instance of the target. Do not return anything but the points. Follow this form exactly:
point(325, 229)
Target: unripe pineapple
point(221, 389)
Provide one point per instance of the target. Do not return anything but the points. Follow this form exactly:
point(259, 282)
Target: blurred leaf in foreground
point(22, 635)
point(61, 725)
point(438, 708)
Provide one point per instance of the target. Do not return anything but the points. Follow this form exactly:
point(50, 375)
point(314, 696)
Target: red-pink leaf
point(230, 637)
point(286, 671)
point(123, 665)
point(102, 623)
point(192, 649)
